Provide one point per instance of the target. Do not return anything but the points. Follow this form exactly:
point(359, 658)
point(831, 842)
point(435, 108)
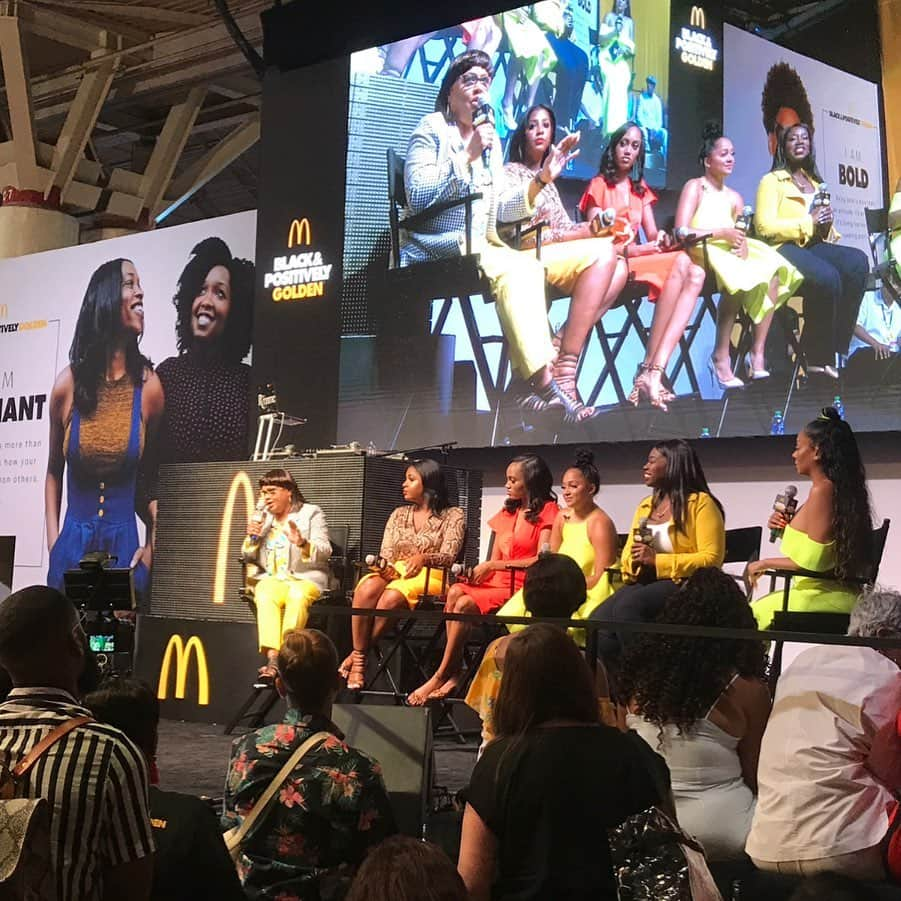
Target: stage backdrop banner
point(843, 112)
point(38, 316)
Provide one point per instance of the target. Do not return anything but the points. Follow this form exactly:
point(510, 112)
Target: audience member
point(93, 778)
point(544, 793)
point(703, 705)
point(404, 869)
point(820, 804)
point(649, 116)
point(191, 858)
point(873, 352)
point(332, 808)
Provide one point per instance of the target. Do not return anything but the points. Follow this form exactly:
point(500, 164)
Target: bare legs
point(513, 72)
point(672, 311)
point(370, 594)
point(725, 320)
point(447, 676)
point(762, 329)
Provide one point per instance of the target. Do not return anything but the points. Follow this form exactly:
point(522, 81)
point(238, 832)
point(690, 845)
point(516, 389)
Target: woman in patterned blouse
point(420, 538)
point(571, 253)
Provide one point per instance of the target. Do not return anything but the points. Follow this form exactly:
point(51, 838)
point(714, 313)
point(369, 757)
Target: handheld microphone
point(603, 222)
point(743, 222)
point(259, 514)
point(461, 571)
point(786, 503)
point(484, 113)
point(686, 236)
point(642, 533)
point(376, 562)
point(545, 549)
point(822, 196)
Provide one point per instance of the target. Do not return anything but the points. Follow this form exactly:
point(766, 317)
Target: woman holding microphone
point(290, 544)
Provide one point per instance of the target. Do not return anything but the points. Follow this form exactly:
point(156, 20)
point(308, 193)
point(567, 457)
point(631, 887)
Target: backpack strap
point(51, 738)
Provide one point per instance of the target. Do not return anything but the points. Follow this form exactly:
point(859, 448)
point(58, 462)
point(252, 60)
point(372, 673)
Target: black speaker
point(400, 739)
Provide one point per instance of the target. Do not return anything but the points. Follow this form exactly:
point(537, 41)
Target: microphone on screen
point(786, 503)
point(686, 236)
point(484, 113)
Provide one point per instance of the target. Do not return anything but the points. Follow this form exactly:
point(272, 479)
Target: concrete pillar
point(28, 227)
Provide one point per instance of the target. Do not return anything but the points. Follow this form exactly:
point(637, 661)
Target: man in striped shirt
point(94, 778)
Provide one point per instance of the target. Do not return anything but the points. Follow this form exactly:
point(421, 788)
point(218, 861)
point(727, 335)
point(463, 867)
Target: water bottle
point(371, 449)
point(839, 406)
point(705, 432)
point(777, 426)
point(743, 222)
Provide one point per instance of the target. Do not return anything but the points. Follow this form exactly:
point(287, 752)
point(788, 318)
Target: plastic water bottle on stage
point(839, 406)
point(705, 432)
point(777, 426)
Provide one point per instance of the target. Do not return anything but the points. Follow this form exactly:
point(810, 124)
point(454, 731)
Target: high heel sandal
point(660, 397)
point(346, 664)
point(640, 385)
point(755, 375)
point(574, 411)
point(725, 384)
point(566, 368)
point(356, 678)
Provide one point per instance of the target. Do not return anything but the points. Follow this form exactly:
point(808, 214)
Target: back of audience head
point(308, 670)
point(832, 887)
point(545, 678)
point(404, 869)
point(554, 586)
point(132, 707)
point(41, 642)
point(877, 614)
point(677, 678)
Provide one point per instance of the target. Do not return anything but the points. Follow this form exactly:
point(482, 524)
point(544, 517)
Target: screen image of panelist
point(287, 538)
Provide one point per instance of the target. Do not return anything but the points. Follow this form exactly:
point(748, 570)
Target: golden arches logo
point(299, 233)
point(698, 18)
point(182, 653)
point(240, 481)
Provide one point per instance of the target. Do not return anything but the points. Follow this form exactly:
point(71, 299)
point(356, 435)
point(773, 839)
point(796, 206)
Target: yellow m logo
point(299, 233)
point(240, 480)
point(698, 18)
point(182, 653)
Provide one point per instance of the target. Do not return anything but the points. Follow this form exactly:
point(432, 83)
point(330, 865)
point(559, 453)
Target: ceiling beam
point(18, 97)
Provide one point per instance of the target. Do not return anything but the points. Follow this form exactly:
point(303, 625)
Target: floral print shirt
point(329, 812)
point(439, 540)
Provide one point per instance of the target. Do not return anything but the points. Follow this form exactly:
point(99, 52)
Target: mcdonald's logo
point(240, 481)
point(299, 232)
point(182, 653)
point(4, 311)
point(698, 20)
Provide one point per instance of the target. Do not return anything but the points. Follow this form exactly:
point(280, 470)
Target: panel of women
point(291, 547)
point(206, 385)
point(749, 273)
point(790, 217)
point(703, 705)
point(545, 792)
point(578, 263)
point(455, 152)
point(676, 530)
point(583, 532)
point(105, 409)
point(521, 528)
point(831, 532)
point(673, 281)
point(421, 537)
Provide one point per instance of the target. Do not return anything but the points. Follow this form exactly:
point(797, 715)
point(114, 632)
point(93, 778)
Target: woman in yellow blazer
point(790, 217)
point(677, 530)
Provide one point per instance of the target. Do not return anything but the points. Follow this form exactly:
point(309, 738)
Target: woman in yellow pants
point(291, 546)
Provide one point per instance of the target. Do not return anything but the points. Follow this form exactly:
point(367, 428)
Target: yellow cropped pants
point(282, 605)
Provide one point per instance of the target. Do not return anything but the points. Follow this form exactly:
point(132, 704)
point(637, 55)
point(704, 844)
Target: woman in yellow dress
point(616, 46)
point(748, 272)
point(583, 532)
point(831, 532)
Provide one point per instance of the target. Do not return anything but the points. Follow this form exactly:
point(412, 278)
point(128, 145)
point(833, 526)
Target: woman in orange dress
point(673, 281)
point(520, 529)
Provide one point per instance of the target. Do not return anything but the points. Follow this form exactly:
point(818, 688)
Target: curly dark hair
point(783, 88)
point(684, 476)
point(852, 518)
point(98, 326)
point(676, 679)
point(607, 167)
point(584, 463)
point(516, 151)
point(539, 481)
point(780, 158)
point(238, 334)
point(712, 132)
point(462, 64)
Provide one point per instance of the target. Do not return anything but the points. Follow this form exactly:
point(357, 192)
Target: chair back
point(877, 548)
point(339, 562)
point(397, 200)
point(877, 229)
point(811, 621)
point(743, 545)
